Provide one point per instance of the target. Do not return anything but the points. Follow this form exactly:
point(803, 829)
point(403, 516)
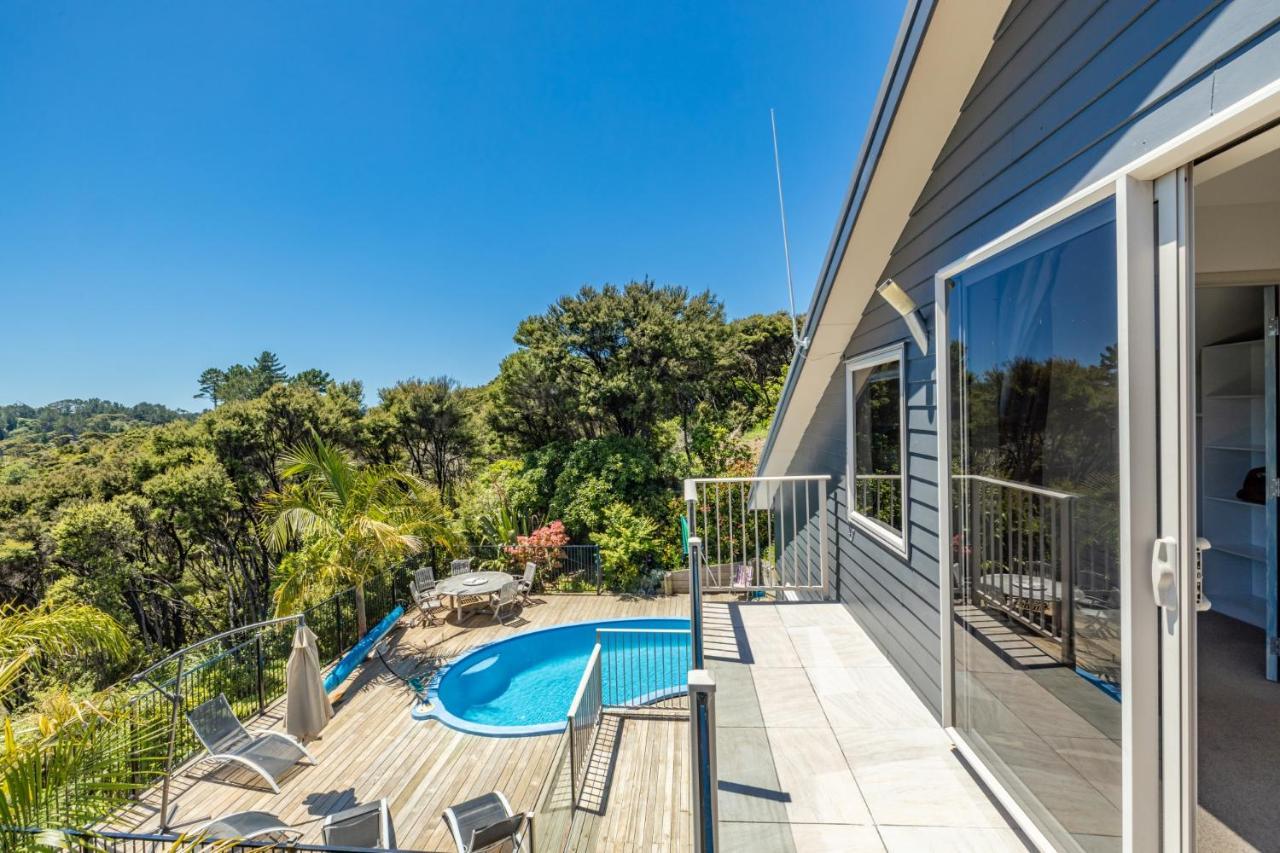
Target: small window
point(877, 404)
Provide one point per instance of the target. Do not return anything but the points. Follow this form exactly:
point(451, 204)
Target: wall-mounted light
point(899, 300)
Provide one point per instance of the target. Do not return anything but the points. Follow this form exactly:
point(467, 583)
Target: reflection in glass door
point(1035, 565)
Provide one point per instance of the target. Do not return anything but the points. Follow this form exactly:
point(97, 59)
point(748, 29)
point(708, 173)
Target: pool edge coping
point(439, 712)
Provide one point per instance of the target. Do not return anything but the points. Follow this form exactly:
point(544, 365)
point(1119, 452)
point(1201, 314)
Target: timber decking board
point(373, 748)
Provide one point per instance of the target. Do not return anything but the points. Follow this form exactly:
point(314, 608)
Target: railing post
point(262, 693)
point(702, 761)
point(822, 545)
point(337, 625)
point(175, 698)
point(573, 758)
point(695, 600)
point(595, 561)
point(1067, 558)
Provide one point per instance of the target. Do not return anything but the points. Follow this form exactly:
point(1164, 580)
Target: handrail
point(779, 479)
point(1014, 484)
point(584, 681)
point(186, 650)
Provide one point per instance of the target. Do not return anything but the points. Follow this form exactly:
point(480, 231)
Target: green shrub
point(628, 545)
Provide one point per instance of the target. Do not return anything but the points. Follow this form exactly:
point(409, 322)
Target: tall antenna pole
point(786, 244)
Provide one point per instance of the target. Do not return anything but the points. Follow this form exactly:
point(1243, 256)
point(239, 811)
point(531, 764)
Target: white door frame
point(1177, 526)
point(1133, 186)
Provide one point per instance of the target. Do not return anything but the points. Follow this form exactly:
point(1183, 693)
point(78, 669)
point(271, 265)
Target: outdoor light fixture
point(901, 302)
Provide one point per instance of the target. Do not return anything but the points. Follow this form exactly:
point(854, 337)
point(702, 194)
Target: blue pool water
point(524, 685)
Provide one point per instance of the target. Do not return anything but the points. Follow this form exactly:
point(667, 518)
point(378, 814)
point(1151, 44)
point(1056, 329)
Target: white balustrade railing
point(583, 721)
point(761, 533)
point(644, 667)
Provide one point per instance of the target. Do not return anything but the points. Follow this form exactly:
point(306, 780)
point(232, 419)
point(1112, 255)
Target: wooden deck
point(374, 749)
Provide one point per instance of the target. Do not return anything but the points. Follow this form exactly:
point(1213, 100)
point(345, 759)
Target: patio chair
point(248, 826)
point(427, 600)
point(504, 597)
point(461, 567)
point(525, 584)
point(368, 826)
point(425, 577)
point(487, 822)
point(270, 754)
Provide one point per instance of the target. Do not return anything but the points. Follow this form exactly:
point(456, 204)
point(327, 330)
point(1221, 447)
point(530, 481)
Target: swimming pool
point(523, 685)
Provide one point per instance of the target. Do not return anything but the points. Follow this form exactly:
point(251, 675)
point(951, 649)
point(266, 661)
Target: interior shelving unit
point(1232, 441)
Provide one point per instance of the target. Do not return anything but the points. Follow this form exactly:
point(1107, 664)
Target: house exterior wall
point(1071, 91)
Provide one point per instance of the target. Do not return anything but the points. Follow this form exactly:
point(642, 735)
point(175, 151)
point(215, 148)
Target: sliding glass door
point(1034, 454)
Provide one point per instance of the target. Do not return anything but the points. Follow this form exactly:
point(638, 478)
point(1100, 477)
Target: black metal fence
point(570, 568)
point(127, 749)
point(133, 842)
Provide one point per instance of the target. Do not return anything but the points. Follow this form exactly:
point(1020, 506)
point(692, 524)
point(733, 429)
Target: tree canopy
point(170, 523)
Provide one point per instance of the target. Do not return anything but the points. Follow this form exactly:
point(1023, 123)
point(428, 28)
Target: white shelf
point(1247, 550)
point(1235, 501)
point(1232, 441)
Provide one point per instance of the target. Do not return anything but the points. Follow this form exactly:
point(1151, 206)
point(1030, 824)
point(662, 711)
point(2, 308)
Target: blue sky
point(384, 190)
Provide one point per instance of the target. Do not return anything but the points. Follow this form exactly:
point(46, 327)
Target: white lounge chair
point(248, 826)
point(270, 754)
point(486, 822)
point(368, 826)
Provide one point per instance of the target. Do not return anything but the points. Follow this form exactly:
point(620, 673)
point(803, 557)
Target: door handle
point(1164, 573)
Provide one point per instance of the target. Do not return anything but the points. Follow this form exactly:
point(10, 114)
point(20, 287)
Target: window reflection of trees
point(878, 451)
point(1052, 423)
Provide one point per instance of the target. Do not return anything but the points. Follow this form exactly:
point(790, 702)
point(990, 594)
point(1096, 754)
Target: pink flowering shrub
point(544, 546)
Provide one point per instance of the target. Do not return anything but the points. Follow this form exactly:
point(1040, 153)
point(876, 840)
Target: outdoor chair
point(248, 826)
point(367, 826)
point(427, 600)
point(525, 584)
point(505, 597)
point(270, 754)
point(425, 577)
point(461, 567)
point(487, 822)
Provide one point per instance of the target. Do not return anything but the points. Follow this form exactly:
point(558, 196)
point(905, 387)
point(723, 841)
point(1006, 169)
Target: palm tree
point(348, 522)
point(64, 759)
point(31, 637)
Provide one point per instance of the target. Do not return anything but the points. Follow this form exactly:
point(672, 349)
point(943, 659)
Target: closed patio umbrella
point(307, 708)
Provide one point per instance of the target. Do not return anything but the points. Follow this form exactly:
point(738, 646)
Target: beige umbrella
point(307, 708)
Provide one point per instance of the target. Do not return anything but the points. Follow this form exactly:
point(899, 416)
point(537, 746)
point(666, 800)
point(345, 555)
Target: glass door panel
point(1035, 501)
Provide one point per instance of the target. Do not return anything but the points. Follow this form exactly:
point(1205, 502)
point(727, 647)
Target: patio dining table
point(472, 584)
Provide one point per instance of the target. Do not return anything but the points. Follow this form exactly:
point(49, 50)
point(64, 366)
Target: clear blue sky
point(384, 190)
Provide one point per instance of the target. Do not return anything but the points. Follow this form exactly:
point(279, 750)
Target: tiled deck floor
point(823, 746)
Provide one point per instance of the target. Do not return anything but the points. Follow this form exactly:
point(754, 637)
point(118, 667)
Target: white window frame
point(881, 532)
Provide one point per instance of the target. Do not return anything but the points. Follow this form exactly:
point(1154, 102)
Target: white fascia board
point(947, 59)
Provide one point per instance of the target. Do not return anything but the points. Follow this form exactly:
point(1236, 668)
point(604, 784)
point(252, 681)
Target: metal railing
point(248, 665)
point(556, 805)
point(703, 772)
point(138, 842)
point(583, 721)
point(879, 496)
point(645, 668)
point(1015, 552)
point(571, 568)
point(761, 533)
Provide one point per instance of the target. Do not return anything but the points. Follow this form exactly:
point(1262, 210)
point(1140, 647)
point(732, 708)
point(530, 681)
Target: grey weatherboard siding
point(1070, 92)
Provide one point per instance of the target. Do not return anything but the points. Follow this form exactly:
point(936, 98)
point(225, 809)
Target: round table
point(456, 587)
